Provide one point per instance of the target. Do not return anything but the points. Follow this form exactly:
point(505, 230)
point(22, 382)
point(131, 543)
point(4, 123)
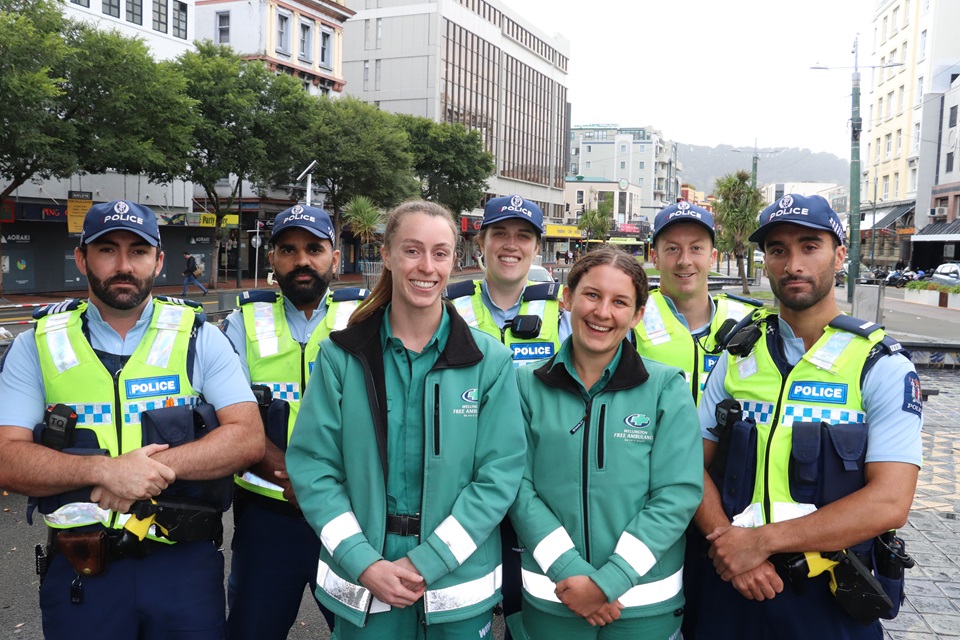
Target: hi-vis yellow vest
point(662, 337)
point(278, 361)
point(109, 403)
point(539, 299)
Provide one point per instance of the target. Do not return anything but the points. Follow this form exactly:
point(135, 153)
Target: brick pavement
point(932, 535)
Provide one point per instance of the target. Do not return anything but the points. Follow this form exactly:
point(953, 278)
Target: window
point(326, 54)
point(623, 164)
point(878, 149)
point(377, 66)
point(283, 33)
point(903, 56)
point(912, 181)
point(366, 75)
point(305, 49)
point(888, 140)
point(111, 8)
point(639, 182)
point(643, 148)
point(886, 188)
point(160, 15)
point(883, 34)
point(868, 151)
point(895, 19)
point(82, 3)
point(920, 90)
point(900, 100)
point(179, 19)
point(899, 141)
point(906, 12)
point(922, 52)
point(953, 116)
point(135, 11)
point(880, 106)
point(579, 197)
point(223, 28)
point(643, 164)
point(379, 31)
point(890, 104)
point(623, 148)
point(916, 136)
point(950, 162)
point(588, 164)
point(896, 184)
point(589, 148)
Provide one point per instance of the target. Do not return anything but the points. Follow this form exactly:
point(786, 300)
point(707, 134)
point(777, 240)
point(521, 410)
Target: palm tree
point(736, 217)
point(365, 221)
point(596, 223)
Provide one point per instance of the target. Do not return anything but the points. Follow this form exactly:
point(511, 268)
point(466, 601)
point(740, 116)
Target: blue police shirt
point(216, 370)
point(894, 430)
point(300, 328)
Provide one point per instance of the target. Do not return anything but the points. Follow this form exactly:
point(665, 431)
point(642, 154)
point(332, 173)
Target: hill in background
point(703, 165)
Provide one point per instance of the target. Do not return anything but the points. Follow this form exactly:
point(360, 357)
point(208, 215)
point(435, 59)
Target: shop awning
point(938, 232)
point(624, 241)
point(885, 217)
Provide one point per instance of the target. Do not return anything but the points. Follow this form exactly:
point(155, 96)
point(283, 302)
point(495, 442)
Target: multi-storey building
point(914, 57)
point(641, 156)
point(477, 63)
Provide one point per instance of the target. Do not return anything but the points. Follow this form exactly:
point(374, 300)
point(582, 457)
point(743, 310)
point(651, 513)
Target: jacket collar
point(630, 372)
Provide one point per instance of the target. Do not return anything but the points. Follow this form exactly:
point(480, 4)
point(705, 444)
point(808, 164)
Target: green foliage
point(449, 161)
point(917, 285)
point(596, 223)
point(736, 217)
point(364, 218)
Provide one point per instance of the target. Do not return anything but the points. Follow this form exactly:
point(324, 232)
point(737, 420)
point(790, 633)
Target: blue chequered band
point(761, 412)
point(289, 391)
point(132, 410)
point(93, 413)
point(833, 415)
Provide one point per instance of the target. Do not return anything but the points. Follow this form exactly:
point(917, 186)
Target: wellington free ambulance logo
point(637, 420)
point(471, 402)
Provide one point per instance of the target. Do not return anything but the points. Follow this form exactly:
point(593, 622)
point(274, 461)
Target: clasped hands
point(740, 559)
point(582, 596)
point(133, 476)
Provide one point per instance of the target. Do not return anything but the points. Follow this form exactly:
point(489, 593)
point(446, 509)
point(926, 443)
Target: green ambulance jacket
point(473, 462)
point(610, 484)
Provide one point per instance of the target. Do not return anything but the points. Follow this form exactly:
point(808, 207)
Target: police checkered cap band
point(120, 215)
point(813, 212)
point(682, 211)
point(506, 207)
point(314, 220)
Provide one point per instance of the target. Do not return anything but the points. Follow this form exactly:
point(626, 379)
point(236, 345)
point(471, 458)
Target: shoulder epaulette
point(862, 328)
point(890, 345)
point(69, 304)
point(350, 293)
point(196, 307)
point(460, 289)
point(753, 302)
point(257, 295)
point(541, 291)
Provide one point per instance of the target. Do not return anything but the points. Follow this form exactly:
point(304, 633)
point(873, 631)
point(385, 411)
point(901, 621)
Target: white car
point(758, 256)
point(539, 274)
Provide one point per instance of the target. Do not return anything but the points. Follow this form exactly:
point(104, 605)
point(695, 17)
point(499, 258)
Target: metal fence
point(371, 270)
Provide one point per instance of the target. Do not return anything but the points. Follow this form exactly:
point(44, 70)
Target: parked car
point(758, 256)
point(948, 273)
point(539, 274)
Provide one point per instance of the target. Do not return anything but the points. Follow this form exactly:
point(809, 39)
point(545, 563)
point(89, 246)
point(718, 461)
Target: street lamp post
point(753, 185)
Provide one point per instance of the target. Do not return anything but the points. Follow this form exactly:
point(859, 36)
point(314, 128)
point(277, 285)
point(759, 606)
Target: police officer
point(405, 456)
point(832, 459)
point(278, 334)
point(682, 323)
point(509, 239)
point(108, 366)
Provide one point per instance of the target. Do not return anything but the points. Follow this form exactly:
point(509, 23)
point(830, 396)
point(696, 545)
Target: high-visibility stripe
point(635, 552)
point(338, 530)
point(352, 595)
point(552, 547)
point(256, 480)
point(752, 516)
point(456, 538)
point(265, 329)
point(464, 594)
point(542, 587)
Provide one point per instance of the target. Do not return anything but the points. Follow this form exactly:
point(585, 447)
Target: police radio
point(743, 341)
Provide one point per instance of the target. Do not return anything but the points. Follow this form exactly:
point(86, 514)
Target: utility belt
point(243, 497)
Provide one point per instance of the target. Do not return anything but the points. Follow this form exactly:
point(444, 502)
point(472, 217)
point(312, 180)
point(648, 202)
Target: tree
point(736, 217)
point(245, 120)
point(360, 150)
point(365, 220)
point(596, 223)
point(79, 100)
point(449, 161)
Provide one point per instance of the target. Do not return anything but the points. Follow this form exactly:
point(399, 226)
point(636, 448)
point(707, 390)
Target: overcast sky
point(710, 72)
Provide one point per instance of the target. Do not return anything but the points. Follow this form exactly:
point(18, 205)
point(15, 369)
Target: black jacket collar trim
point(630, 372)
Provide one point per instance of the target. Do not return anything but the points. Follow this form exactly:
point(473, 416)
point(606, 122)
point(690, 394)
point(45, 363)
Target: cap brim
point(713, 236)
point(509, 216)
point(312, 230)
point(153, 241)
point(761, 233)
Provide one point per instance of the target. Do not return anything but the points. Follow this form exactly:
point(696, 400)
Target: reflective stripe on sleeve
point(456, 538)
point(542, 587)
point(338, 530)
point(352, 595)
point(635, 552)
point(552, 547)
point(464, 594)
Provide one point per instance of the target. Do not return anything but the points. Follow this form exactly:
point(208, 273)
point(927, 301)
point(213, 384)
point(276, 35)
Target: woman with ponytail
point(407, 451)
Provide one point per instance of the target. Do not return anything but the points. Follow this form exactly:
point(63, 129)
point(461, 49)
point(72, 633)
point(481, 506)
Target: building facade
point(641, 156)
point(477, 63)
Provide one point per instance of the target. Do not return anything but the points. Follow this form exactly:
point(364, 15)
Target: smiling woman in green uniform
point(407, 454)
point(610, 481)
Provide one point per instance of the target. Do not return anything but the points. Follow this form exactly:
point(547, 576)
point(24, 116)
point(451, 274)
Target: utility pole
point(855, 125)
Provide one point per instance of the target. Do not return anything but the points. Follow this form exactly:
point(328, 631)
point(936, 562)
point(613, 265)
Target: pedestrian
point(825, 457)
point(568, 257)
point(191, 273)
point(277, 335)
point(525, 316)
point(407, 501)
point(612, 477)
point(115, 376)
point(559, 253)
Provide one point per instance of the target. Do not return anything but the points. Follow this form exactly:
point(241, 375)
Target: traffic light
point(567, 206)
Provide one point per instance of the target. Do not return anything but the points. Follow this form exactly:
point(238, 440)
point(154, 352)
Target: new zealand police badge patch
point(912, 394)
